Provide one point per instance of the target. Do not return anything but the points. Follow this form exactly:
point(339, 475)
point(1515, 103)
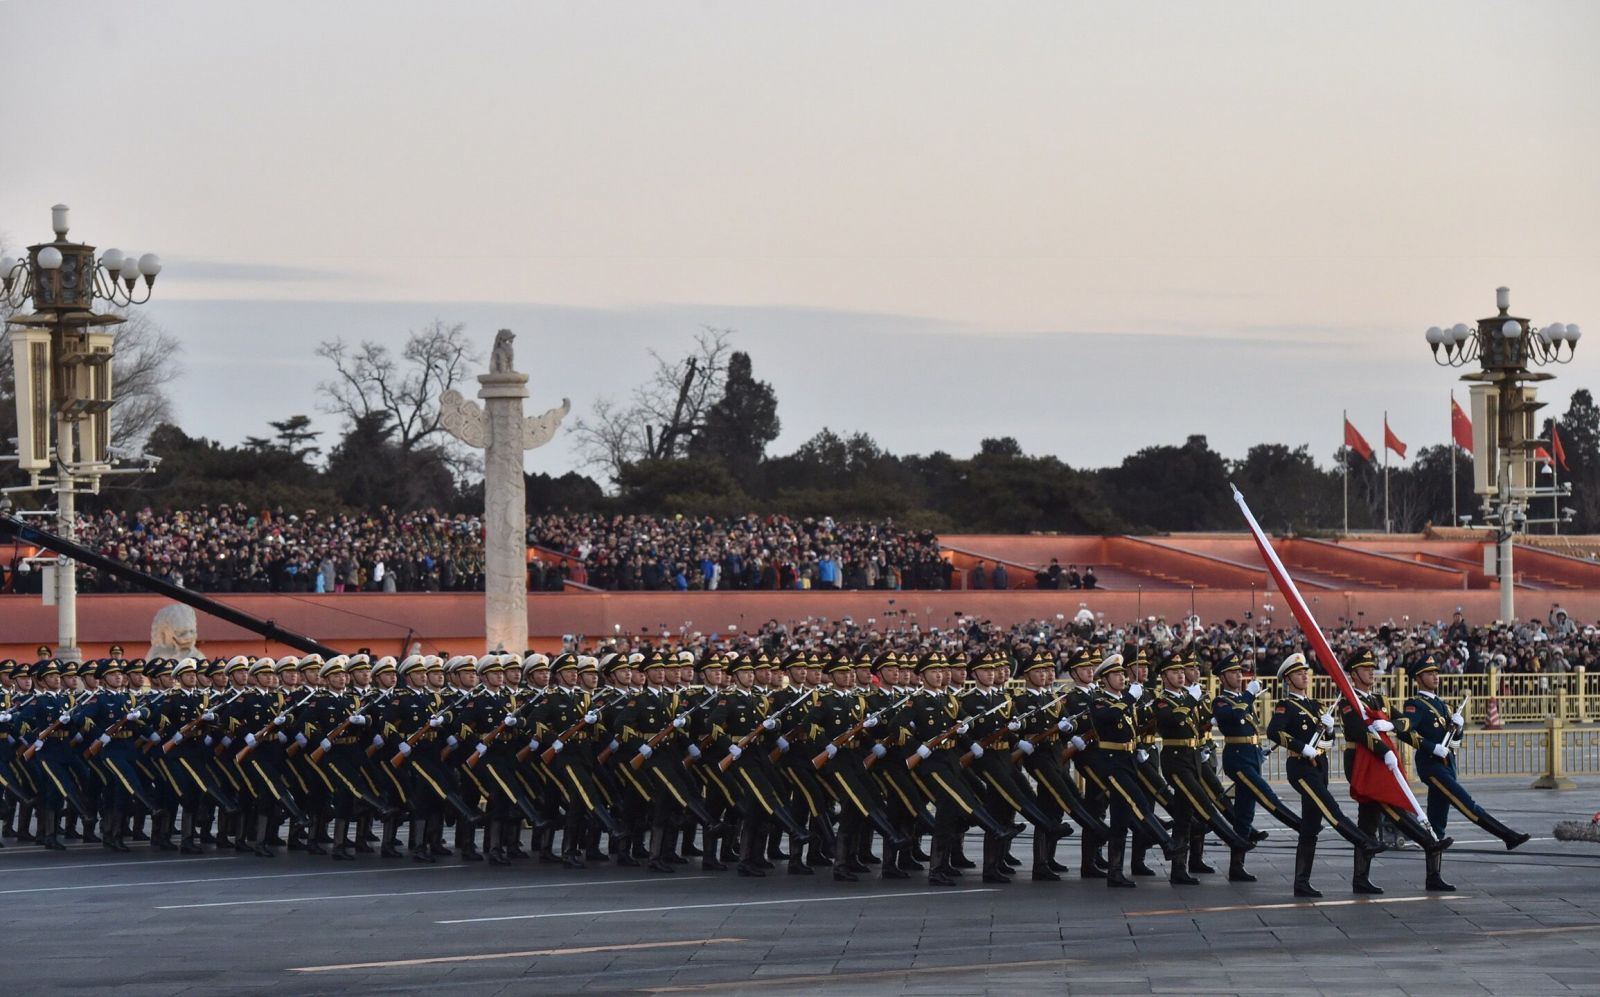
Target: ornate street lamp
point(62, 356)
point(1504, 397)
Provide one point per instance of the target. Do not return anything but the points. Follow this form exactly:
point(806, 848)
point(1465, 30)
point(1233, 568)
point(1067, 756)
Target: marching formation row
point(628, 755)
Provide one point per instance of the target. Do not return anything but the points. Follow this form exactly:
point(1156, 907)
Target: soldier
point(1363, 730)
point(266, 730)
point(1147, 757)
point(119, 724)
point(808, 801)
point(1040, 709)
point(741, 730)
point(1234, 710)
point(841, 724)
point(1433, 729)
point(568, 723)
point(1080, 668)
point(1300, 725)
point(1113, 721)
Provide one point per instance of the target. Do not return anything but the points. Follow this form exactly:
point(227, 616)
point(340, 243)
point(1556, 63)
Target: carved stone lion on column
point(174, 632)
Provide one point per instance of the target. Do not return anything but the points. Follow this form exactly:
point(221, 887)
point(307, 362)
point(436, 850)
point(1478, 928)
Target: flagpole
point(1346, 463)
point(1386, 528)
point(1555, 500)
point(1454, 518)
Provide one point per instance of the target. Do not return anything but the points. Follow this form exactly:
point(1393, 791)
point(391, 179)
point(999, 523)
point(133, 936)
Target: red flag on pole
point(1555, 443)
point(1540, 453)
point(1355, 441)
point(1460, 425)
point(1371, 780)
point(1392, 441)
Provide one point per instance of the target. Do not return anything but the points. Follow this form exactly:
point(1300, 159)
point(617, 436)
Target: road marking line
point(1304, 905)
point(744, 903)
point(877, 974)
point(55, 870)
point(1543, 931)
point(222, 879)
point(423, 893)
point(528, 954)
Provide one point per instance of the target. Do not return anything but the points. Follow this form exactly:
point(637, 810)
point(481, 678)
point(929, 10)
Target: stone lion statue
point(174, 632)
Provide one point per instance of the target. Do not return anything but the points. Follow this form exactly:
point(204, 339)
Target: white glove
point(1391, 761)
point(436, 721)
point(38, 746)
point(282, 737)
point(1194, 691)
point(1327, 721)
point(1136, 690)
point(680, 722)
point(176, 738)
point(1079, 743)
point(65, 718)
point(208, 716)
point(1310, 751)
point(250, 739)
point(405, 750)
point(511, 721)
point(1254, 687)
point(226, 741)
point(207, 742)
point(1064, 725)
point(299, 739)
point(694, 751)
point(832, 749)
point(615, 744)
point(783, 744)
point(1205, 755)
point(591, 717)
point(153, 737)
point(734, 751)
point(771, 724)
point(377, 740)
point(105, 738)
point(4, 717)
point(281, 719)
point(1380, 727)
point(451, 741)
point(924, 751)
point(559, 746)
point(870, 723)
point(481, 750)
point(533, 745)
point(1142, 755)
point(1014, 726)
point(878, 751)
point(963, 728)
point(326, 745)
point(646, 751)
point(1026, 747)
point(1458, 720)
point(1441, 751)
point(134, 715)
point(358, 720)
point(976, 749)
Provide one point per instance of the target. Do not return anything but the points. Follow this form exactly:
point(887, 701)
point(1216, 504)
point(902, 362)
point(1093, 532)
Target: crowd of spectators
point(237, 549)
point(667, 553)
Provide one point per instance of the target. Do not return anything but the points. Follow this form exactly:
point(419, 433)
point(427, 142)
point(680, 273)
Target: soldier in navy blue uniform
point(1113, 720)
point(1433, 728)
point(118, 723)
point(1300, 725)
point(1234, 710)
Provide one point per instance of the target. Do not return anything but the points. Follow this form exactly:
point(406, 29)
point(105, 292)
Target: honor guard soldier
point(1434, 729)
point(1300, 725)
point(1113, 722)
point(1234, 710)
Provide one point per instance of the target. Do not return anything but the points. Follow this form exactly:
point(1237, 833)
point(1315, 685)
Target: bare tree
point(665, 413)
point(371, 380)
point(146, 363)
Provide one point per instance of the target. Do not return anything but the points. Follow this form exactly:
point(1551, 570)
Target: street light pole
point(62, 361)
point(1504, 346)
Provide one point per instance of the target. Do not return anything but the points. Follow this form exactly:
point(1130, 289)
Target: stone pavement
point(1523, 923)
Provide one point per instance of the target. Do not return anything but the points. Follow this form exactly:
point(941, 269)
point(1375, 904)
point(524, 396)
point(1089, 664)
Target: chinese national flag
point(1555, 443)
point(1540, 453)
point(1461, 426)
point(1392, 441)
point(1355, 441)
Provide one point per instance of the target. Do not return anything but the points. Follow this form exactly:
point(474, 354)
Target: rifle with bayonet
point(548, 756)
point(938, 741)
point(638, 760)
point(55, 725)
point(504, 725)
point(865, 723)
point(270, 729)
point(755, 732)
point(141, 708)
point(399, 757)
point(362, 705)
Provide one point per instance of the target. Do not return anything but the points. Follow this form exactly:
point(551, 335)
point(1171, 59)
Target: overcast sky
point(1090, 226)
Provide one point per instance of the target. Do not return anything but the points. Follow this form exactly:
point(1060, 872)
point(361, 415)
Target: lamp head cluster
point(1503, 340)
point(63, 275)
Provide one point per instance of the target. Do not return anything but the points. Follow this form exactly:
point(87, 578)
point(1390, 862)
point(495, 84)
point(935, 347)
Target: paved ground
point(1520, 923)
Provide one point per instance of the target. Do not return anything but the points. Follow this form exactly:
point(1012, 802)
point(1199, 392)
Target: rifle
point(361, 706)
point(490, 737)
point(637, 761)
point(194, 724)
point(549, 754)
point(913, 760)
point(792, 732)
point(94, 749)
point(271, 726)
point(1044, 737)
point(821, 758)
point(445, 754)
point(744, 742)
point(399, 757)
point(1454, 737)
point(55, 725)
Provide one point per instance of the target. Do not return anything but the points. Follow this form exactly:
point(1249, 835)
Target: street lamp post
point(62, 356)
point(1504, 346)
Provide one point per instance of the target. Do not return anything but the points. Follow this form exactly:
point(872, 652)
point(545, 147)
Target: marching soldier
point(1434, 729)
point(1113, 722)
point(1081, 669)
point(1234, 711)
point(1300, 725)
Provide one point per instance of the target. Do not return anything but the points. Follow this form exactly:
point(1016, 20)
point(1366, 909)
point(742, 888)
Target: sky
point(1093, 227)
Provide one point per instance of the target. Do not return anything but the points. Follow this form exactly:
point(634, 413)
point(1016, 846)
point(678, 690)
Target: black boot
point(188, 842)
point(263, 833)
point(1435, 866)
point(658, 848)
point(709, 861)
point(1115, 848)
point(421, 850)
point(1179, 876)
point(1043, 849)
point(342, 844)
point(993, 870)
point(494, 843)
point(1492, 824)
point(391, 835)
point(363, 836)
point(750, 836)
point(1141, 847)
point(47, 830)
point(938, 862)
point(1197, 856)
point(1305, 854)
point(1236, 870)
point(1361, 881)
